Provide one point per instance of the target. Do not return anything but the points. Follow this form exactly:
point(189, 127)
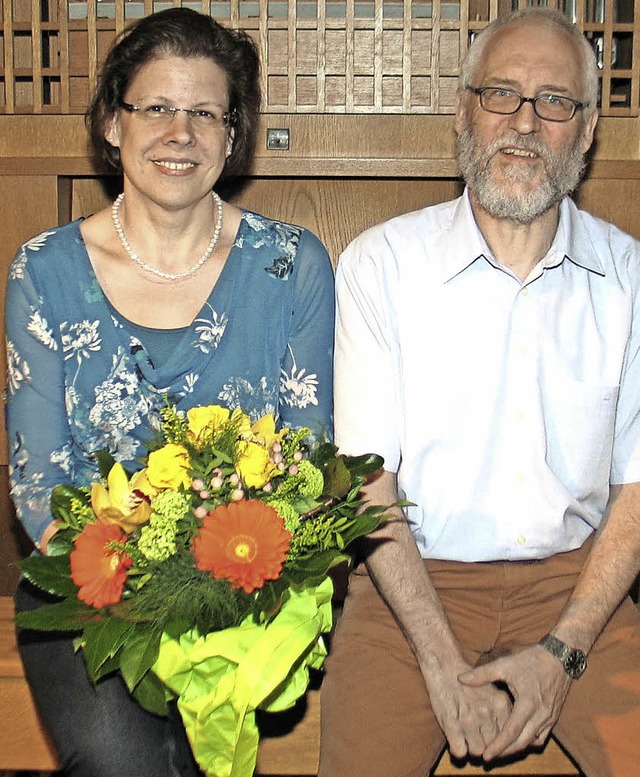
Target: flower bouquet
point(203, 578)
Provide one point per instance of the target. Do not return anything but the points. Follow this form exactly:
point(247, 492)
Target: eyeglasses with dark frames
point(201, 118)
point(547, 106)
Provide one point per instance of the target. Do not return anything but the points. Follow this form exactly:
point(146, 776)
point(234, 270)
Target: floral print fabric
point(80, 379)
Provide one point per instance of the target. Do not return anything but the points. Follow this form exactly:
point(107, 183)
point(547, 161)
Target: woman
point(169, 292)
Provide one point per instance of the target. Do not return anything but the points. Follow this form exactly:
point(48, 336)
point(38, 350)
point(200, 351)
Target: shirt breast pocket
point(580, 435)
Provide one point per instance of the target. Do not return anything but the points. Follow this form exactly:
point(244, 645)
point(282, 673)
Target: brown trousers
point(376, 716)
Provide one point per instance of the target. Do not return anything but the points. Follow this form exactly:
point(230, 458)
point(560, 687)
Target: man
point(489, 349)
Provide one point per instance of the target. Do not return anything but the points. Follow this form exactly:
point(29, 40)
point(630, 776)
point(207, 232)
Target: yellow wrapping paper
point(221, 679)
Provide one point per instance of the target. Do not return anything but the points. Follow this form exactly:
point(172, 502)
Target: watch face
point(575, 663)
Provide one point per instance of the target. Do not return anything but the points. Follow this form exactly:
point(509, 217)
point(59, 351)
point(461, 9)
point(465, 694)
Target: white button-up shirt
point(506, 407)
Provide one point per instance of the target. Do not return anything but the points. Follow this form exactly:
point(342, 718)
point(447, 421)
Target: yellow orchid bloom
point(242, 422)
point(117, 504)
point(264, 431)
point(140, 482)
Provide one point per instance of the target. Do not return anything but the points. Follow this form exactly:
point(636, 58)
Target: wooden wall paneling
point(318, 57)
point(614, 201)
point(36, 55)
point(91, 194)
point(383, 146)
point(338, 209)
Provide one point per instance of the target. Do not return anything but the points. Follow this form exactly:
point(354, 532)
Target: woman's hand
point(47, 534)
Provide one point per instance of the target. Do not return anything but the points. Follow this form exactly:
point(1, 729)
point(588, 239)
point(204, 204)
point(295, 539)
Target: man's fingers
point(481, 675)
point(516, 738)
point(457, 744)
point(517, 723)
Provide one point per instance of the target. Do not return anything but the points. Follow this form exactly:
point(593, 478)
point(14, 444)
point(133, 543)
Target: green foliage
point(68, 615)
point(139, 654)
point(174, 428)
point(101, 640)
point(105, 462)
point(363, 466)
point(337, 479)
point(178, 596)
point(66, 501)
point(152, 694)
point(50, 573)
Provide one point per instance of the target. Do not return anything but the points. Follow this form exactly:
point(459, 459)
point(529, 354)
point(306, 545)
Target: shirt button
point(521, 540)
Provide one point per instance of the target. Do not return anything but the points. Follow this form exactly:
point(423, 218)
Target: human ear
point(230, 139)
point(112, 131)
point(589, 130)
point(461, 110)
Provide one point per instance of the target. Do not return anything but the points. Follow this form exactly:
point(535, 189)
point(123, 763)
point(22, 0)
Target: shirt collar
point(572, 241)
point(467, 244)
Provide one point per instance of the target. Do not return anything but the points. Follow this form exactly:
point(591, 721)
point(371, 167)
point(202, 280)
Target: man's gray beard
point(563, 173)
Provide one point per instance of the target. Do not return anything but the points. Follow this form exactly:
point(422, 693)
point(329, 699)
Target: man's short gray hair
point(554, 20)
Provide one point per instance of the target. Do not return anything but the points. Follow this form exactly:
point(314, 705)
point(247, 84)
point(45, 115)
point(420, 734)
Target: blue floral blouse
point(80, 379)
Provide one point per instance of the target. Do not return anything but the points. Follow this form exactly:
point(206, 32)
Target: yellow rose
point(202, 421)
point(254, 465)
point(167, 467)
point(117, 504)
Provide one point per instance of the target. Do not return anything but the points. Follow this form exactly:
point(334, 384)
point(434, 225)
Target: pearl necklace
point(154, 270)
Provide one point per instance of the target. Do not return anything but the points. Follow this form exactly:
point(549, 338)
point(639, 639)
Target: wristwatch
point(573, 659)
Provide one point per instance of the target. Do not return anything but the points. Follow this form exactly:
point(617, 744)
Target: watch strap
point(555, 646)
point(573, 660)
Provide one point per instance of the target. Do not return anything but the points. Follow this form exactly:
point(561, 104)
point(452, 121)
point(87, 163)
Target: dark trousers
point(98, 730)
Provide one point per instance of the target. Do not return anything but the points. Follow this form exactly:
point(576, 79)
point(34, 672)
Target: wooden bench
point(24, 744)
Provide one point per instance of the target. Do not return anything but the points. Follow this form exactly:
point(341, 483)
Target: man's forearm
point(470, 718)
point(612, 566)
point(400, 575)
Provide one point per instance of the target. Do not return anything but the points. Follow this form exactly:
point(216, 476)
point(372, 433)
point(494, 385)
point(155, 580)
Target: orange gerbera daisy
point(244, 542)
point(98, 568)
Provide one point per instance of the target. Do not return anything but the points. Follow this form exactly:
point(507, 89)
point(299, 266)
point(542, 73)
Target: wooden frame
point(319, 56)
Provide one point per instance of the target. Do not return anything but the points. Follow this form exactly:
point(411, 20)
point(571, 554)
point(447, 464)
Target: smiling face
point(175, 163)
point(518, 166)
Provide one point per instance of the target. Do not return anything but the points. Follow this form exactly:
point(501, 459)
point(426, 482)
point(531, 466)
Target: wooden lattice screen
point(318, 56)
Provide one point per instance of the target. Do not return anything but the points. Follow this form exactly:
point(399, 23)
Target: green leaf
point(323, 453)
point(314, 566)
point(365, 523)
point(337, 479)
point(363, 466)
point(139, 655)
point(105, 462)
point(152, 694)
point(68, 615)
point(304, 504)
point(63, 494)
point(102, 640)
point(50, 573)
point(60, 501)
point(61, 544)
point(110, 666)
